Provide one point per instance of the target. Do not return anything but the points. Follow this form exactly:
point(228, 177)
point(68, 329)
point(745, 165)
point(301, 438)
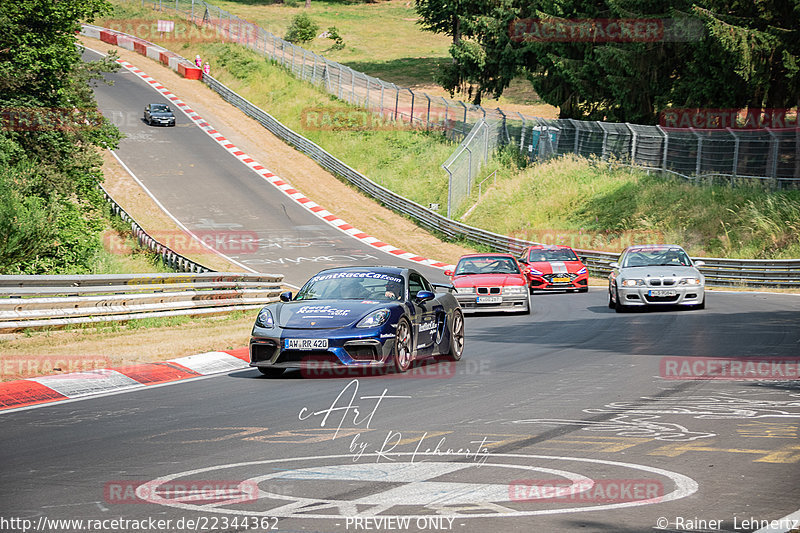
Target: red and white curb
point(276, 181)
point(77, 385)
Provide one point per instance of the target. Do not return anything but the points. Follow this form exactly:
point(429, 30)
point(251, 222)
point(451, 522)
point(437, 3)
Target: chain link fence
point(767, 155)
point(384, 99)
point(465, 163)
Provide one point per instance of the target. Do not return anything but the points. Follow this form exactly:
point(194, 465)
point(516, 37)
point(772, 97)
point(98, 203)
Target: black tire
point(610, 299)
point(583, 289)
point(456, 336)
point(701, 305)
point(402, 354)
point(618, 307)
point(270, 372)
point(527, 310)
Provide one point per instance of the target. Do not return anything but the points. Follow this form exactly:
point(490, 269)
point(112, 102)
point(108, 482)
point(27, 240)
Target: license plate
point(663, 293)
point(305, 344)
point(560, 280)
point(490, 299)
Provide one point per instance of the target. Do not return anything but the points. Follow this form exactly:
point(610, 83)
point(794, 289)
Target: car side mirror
point(424, 296)
point(286, 296)
point(614, 265)
point(448, 273)
point(699, 263)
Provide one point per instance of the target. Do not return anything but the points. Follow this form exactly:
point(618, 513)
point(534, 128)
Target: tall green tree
point(50, 135)
point(731, 53)
point(764, 38)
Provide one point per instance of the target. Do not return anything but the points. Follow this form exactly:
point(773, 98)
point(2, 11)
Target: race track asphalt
point(572, 395)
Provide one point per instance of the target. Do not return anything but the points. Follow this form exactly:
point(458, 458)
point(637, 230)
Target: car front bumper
point(677, 295)
point(510, 303)
point(267, 349)
point(542, 284)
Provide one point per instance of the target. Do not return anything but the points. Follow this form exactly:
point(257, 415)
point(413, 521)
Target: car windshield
point(487, 265)
point(539, 255)
point(353, 286)
point(159, 108)
point(639, 257)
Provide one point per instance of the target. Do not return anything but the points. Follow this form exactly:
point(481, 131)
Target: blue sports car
point(358, 317)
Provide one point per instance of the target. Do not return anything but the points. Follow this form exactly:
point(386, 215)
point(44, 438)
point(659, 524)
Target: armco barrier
point(169, 257)
point(30, 302)
point(719, 271)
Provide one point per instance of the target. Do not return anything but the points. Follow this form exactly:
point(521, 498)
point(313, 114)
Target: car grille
point(661, 299)
point(549, 277)
point(263, 351)
point(305, 356)
point(362, 352)
point(489, 290)
point(659, 282)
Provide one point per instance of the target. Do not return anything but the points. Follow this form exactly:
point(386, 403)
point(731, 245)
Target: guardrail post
point(428, 113)
point(465, 114)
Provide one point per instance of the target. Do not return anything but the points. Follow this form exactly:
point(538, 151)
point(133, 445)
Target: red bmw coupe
point(490, 282)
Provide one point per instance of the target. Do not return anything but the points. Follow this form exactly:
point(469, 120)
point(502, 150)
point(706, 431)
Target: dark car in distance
point(159, 114)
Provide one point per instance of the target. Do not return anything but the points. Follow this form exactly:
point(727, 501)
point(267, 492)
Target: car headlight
point(516, 289)
point(264, 319)
point(689, 281)
point(632, 282)
point(535, 272)
point(375, 318)
point(582, 271)
point(465, 290)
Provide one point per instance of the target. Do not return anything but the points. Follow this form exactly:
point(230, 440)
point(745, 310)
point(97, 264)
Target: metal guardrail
point(169, 257)
point(32, 302)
